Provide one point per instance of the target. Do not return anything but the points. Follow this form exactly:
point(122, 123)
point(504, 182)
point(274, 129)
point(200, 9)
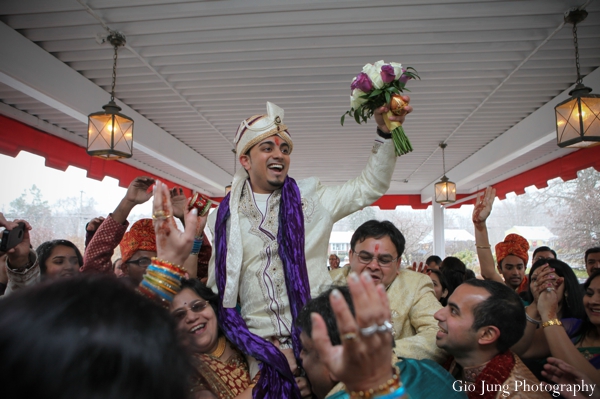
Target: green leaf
point(388, 98)
point(357, 117)
point(342, 120)
point(375, 93)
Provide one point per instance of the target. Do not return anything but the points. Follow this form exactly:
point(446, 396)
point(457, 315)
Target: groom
point(271, 238)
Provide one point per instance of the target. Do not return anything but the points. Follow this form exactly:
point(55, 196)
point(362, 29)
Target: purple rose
point(362, 82)
point(404, 78)
point(387, 74)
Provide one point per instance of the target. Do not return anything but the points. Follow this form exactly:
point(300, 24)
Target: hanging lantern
point(578, 118)
point(445, 190)
point(110, 133)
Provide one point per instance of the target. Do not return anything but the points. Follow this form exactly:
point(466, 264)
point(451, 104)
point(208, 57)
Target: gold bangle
point(390, 386)
point(553, 322)
point(483, 246)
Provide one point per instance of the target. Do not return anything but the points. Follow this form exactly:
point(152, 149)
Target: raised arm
point(533, 344)
point(98, 253)
point(559, 343)
point(22, 268)
point(483, 208)
point(374, 180)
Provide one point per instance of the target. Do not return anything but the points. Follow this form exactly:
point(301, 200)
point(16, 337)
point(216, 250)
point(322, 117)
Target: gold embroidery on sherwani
point(270, 274)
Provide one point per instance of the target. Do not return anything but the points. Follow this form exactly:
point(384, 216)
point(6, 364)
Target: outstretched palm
point(483, 205)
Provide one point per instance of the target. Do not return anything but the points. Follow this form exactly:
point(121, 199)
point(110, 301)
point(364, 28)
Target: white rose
point(397, 69)
point(355, 100)
point(374, 73)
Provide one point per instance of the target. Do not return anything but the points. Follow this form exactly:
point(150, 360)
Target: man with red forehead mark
point(271, 240)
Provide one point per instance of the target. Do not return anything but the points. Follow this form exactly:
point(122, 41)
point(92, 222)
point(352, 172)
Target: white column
point(439, 247)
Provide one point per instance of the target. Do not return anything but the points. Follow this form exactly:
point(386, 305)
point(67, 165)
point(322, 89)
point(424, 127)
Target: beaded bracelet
point(390, 387)
point(197, 246)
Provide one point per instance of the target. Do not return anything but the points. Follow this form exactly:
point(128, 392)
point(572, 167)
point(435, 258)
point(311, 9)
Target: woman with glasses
point(222, 370)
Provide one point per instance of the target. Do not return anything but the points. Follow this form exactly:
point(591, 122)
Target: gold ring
point(161, 215)
point(349, 336)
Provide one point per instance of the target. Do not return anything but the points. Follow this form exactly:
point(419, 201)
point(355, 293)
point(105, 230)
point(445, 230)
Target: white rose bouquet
point(378, 84)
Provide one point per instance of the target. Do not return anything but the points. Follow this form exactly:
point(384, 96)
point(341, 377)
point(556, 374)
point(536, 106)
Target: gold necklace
point(217, 353)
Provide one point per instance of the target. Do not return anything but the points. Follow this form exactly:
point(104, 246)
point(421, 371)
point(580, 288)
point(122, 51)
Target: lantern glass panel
point(575, 129)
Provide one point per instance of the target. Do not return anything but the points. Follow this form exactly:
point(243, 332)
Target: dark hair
point(443, 283)
point(586, 325)
point(572, 301)
point(469, 274)
point(502, 309)
point(543, 249)
point(203, 292)
point(434, 258)
point(46, 248)
point(454, 271)
point(89, 337)
point(322, 306)
point(379, 229)
point(593, 250)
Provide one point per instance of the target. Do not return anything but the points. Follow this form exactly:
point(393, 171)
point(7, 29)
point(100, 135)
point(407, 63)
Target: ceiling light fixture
point(578, 118)
point(110, 133)
point(445, 190)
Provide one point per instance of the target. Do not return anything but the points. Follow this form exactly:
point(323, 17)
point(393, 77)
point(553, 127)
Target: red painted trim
point(59, 154)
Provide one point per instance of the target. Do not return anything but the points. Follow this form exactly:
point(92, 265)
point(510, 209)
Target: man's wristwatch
point(383, 134)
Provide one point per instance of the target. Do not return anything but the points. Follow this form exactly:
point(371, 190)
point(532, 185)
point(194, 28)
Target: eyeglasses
point(195, 307)
point(383, 261)
point(141, 262)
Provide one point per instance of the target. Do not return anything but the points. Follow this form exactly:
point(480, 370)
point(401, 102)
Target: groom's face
point(267, 164)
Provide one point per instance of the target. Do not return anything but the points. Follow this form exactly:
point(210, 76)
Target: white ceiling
point(491, 72)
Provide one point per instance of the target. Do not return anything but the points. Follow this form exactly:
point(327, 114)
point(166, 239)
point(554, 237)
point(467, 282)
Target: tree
point(576, 206)
point(32, 207)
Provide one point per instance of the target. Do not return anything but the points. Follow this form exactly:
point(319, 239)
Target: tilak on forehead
point(259, 127)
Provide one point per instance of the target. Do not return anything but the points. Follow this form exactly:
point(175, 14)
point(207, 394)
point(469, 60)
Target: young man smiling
point(482, 320)
point(377, 247)
point(271, 236)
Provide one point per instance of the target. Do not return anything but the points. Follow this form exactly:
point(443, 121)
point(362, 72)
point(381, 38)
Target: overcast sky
point(20, 173)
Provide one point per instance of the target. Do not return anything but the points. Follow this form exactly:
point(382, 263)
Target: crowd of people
point(258, 314)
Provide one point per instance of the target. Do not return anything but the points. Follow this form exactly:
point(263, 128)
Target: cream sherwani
point(413, 303)
point(262, 290)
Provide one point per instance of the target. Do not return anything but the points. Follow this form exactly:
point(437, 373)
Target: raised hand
point(138, 190)
point(363, 361)
point(172, 244)
point(542, 279)
point(547, 304)
point(420, 269)
point(178, 201)
point(483, 205)
point(378, 114)
point(18, 256)
point(94, 223)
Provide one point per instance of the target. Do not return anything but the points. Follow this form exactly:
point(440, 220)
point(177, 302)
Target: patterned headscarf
point(140, 237)
point(513, 244)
